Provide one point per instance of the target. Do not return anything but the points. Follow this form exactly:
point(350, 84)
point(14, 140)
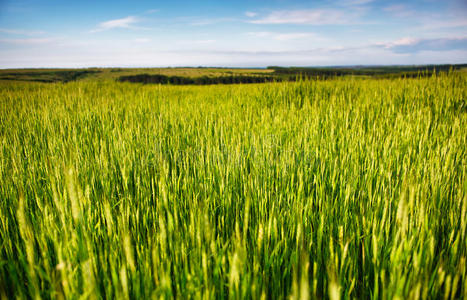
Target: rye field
point(348, 188)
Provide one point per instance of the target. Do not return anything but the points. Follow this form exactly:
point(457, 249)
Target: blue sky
point(255, 33)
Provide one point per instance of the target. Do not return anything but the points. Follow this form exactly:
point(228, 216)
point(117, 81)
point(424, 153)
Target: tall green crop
point(334, 189)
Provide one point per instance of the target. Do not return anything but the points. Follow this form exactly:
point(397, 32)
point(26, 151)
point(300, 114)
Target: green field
point(333, 189)
point(187, 73)
point(112, 74)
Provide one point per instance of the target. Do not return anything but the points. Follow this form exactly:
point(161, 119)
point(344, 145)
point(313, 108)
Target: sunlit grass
point(332, 189)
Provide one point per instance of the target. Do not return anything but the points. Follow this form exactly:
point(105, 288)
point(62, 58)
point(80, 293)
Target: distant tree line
point(374, 71)
point(203, 80)
point(311, 72)
point(297, 73)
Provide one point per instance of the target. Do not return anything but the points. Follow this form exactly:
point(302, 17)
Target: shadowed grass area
point(311, 189)
point(111, 74)
point(46, 75)
point(204, 80)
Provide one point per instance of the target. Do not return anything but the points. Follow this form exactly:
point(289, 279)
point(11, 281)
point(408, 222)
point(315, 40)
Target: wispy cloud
point(354, 2)
point(204, 22)
point(192, 42)
point(399, 10)
point(282, 36)
point(203, 42)
point(443, 24)
point(411, 45)
point(311, 17)
point(29, 41)
point(151, 11)
point(250, 14)
point(127, 22)
point(310, 53)
point(21, 31)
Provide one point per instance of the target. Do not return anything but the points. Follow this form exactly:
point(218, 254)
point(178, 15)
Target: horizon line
point(238, 67)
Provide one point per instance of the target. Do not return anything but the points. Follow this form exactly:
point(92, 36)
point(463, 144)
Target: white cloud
point(105, 54)
point(311, 17)
point(141, 40)
point(404, 41)
point(250, 14)
point(117, 23)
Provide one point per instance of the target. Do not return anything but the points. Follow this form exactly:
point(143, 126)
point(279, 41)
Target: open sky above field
point(254, 33)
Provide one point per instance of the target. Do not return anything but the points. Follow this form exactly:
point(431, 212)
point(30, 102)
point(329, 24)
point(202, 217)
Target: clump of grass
point(332, 189)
